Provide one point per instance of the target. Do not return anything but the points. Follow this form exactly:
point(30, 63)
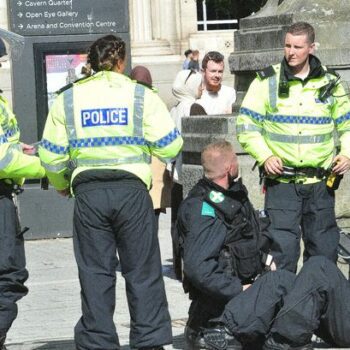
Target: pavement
point(48, 314)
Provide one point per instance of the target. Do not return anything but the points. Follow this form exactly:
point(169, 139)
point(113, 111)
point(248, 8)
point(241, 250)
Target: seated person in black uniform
point(236, 302)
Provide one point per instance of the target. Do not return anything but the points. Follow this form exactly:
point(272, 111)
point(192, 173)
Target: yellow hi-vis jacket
point(14, 164)
point(107, 121)
point(298, 128)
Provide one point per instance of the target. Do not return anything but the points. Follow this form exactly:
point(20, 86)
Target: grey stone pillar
point(259, 42)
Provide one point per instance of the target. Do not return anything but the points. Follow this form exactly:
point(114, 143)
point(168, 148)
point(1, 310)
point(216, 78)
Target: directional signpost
point(56, 17)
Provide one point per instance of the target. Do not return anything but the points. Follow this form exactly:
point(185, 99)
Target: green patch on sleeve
point(208, 210)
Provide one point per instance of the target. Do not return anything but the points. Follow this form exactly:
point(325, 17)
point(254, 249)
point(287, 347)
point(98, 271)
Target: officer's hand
point(342, 164)
point(28, 149)
point(273, 266)
point(246, 286)
point(273, 165)
point(64, 192)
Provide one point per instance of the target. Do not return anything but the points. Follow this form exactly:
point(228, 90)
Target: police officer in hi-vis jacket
point(287, 122)
point(106, 128)
point(16, 163)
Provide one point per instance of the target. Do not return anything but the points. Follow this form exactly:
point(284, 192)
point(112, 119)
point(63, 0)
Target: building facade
point(161, 30)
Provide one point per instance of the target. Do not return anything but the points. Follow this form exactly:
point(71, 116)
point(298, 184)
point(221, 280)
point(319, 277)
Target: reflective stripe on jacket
point(14, 164)
point(107, 121)
point(298, 128)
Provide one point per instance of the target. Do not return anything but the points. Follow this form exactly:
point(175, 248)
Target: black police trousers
point(297, 210)
point(295, 307)
point(13, 272)
point(118, 218)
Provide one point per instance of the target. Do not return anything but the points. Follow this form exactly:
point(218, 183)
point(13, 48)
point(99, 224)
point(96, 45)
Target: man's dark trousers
point(315, 301)
point(250, 313)
point(318, 303)
point(310, 207)
point(13, 273)
point(119, 217)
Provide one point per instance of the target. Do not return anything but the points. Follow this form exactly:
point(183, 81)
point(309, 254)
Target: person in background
point(216, 98)
point(16, 162)
point(194, 63)
point(187, 88)
point(142, 75)
point(161, 180)
point(188, 57)
point(97, 144)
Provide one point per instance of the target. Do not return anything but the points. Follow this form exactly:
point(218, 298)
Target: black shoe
point(276, 342)
point(219, 338)
point(153, 348)
point(193, 340)
point(2, 342)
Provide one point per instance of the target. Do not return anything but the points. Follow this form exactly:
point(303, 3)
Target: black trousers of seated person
point(295, 307)
point(318, 303)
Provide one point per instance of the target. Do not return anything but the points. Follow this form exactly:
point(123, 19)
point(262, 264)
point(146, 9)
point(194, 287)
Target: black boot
point(193, 340)
point(276, 342)
point(2, 342)
point(219, 338)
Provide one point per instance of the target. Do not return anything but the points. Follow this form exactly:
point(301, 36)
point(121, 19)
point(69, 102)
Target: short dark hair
point(187, 52)
point(3, 51)
point(303, 28)
point(215, 56)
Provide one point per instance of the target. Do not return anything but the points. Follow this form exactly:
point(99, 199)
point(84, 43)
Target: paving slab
point(48, 314)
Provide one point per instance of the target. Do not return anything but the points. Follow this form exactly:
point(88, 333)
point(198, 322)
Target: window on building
point(224, 14)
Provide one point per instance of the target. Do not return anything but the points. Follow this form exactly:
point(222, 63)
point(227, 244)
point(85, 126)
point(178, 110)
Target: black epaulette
point(68, 86)
point(331, 71)
point(266, 72)
point(64, 88)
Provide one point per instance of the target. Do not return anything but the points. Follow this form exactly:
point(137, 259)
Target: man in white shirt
point(216, 98)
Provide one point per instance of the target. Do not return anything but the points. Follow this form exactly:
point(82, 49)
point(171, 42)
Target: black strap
point(266, 72)
point(7, 189)
point(320, 173)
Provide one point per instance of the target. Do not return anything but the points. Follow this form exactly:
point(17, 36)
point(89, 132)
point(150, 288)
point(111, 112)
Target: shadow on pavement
point(52, 345)
point(56, 345)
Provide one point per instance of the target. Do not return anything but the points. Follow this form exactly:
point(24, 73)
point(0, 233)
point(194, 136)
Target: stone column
point(164, 22)
point(3, 14)
point(141, 25)
point(143, 40)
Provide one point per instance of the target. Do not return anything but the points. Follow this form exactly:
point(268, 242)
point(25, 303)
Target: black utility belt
point(310, 172)
point(7, 189)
